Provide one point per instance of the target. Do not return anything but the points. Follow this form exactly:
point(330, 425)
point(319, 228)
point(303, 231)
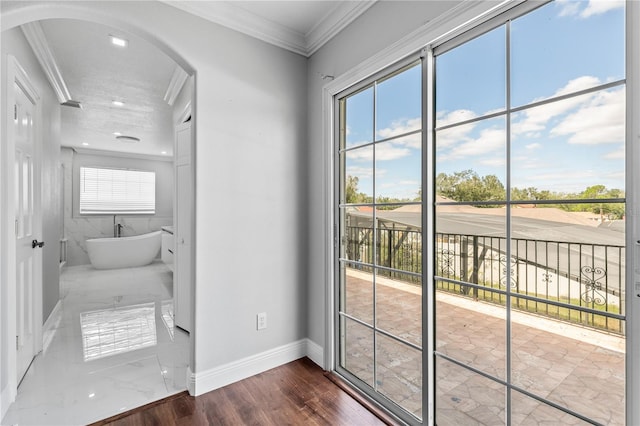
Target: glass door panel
point(471, 293)
point(529, 217)
point(467, 398)
point(357, 355)
point(380, 240)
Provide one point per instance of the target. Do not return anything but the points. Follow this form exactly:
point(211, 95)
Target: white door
point(182, 278)
point(28, 224)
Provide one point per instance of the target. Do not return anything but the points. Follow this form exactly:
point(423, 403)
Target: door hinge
point(15, 111)
point(16, 227)
point(17, 342)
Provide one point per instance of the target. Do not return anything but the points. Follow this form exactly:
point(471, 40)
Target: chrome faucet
point(117, 228)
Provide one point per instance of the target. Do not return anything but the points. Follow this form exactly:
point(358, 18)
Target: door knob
point(35, 244)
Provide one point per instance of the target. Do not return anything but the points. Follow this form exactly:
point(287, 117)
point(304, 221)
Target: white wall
point(14, 43)
point(78, 228)
point(382, 25)
point(250, 153)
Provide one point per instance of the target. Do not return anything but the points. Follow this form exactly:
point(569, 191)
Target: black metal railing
point(575, 282)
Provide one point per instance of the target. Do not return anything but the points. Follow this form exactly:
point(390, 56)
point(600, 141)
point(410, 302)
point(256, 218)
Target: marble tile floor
point(112, 347)
point(572, 366)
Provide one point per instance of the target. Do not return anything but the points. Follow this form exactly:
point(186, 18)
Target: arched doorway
point(14, 15)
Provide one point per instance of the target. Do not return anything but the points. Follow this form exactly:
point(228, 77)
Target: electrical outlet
point(262, 320)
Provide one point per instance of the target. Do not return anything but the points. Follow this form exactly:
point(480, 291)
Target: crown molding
point(241, 20)
point(119, 154)
point(227, 14)
point(38, 42)
point(335, 21)
point(175, 85)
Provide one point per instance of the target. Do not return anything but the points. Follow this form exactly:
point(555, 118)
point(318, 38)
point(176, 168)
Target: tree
point(351, 189)
point(468, 186)
point(531, 193)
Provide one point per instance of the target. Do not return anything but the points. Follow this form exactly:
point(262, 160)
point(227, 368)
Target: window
point(117, 191)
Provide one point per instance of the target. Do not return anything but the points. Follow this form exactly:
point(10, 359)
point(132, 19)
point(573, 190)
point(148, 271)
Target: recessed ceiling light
point(85, 143)
point(164, 153)
point(117, 133)
point(117, 41)
point(117, 103)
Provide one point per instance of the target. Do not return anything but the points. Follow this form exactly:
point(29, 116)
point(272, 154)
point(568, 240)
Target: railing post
point(476, 266)
point(390, 247)
point(464, 263)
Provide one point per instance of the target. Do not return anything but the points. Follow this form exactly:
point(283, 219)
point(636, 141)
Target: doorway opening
point(164, 313)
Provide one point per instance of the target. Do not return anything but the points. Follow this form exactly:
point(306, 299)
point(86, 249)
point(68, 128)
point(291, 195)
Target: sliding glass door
point(529, 218)
point(526, 228)
point(380, 221)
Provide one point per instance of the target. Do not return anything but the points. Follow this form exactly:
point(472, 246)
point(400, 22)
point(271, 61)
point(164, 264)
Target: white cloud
point(533, 146)
point(361, 154)
point(387, 151)
point(400, 127)
point(565, 176)
point(599, 120)
point(568, 7)
point(619, 176)
point(536, 119)
point(616, 155)
point(522, 162)
point(361, 172)
point(490, 140)
point(444, 118)
point(397, 148)
point(409, 182)
point(593, 7)
point(578, 84)
point(493, 161)
point(591, 119)
point(450, 137)
point(597, 7)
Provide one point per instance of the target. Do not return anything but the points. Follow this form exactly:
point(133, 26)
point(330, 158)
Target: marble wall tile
point(78, 229)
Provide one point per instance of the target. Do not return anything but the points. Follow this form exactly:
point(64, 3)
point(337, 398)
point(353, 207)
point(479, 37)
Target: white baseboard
point(217, 377)
point(315, 352)
point(6, 398)
point(51, 321)
point(50, 325)
point(191, 382)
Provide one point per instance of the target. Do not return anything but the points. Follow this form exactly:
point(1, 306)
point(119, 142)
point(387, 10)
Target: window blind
point(117, 191)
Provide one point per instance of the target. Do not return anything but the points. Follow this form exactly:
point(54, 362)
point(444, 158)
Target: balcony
point(565, 326)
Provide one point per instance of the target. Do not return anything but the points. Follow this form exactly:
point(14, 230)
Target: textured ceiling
point(97, 73)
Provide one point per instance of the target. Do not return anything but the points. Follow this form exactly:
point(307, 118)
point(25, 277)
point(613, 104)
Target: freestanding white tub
point(124, 252)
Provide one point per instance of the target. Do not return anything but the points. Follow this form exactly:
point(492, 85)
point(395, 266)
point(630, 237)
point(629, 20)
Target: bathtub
point(124, 252)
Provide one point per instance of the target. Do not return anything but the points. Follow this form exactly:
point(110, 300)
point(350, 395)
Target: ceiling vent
point(71, 103)
point(128, 139)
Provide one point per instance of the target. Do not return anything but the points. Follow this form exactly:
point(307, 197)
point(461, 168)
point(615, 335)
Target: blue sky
point(563, 146)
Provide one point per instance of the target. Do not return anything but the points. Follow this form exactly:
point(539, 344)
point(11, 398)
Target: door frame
point(632, 146)
point(17, 74)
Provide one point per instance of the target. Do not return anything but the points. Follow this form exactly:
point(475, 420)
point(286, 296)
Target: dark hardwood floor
point(297, 393)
